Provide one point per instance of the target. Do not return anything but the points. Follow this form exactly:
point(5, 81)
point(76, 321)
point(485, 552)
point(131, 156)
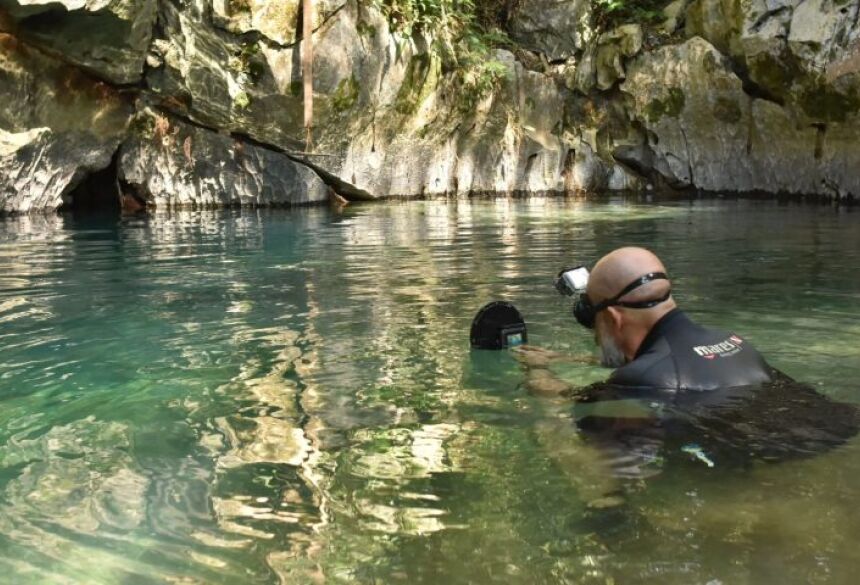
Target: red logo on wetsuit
point(726, 348)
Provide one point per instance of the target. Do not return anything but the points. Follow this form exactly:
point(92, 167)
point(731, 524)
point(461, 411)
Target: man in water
point(652, 343)
point(679, 387)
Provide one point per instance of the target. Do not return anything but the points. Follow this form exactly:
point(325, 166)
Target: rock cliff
point(199, 102)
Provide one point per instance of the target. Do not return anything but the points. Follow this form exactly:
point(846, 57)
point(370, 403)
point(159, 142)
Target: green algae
point(671, 106)
point(346, 94)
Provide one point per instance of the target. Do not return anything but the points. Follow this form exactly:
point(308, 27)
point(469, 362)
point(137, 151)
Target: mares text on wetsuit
point(677, 354)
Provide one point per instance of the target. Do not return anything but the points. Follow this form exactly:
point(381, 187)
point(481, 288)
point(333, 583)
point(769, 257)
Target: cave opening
point(97, 193)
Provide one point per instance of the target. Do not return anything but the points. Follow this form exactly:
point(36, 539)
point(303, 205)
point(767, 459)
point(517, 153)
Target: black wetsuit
point(677, 355)
point(699, 386)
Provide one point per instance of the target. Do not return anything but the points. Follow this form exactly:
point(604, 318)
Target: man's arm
point(540, 380)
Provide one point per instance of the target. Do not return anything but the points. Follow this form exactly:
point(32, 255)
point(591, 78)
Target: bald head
point(619, 268)
point(620, 330)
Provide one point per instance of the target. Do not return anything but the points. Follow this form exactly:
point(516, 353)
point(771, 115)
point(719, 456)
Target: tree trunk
point(308, 70)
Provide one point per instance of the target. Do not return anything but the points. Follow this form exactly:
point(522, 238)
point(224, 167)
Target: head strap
point(644, 279)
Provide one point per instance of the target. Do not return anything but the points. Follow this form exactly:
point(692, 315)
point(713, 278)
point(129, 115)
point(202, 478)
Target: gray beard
point(611, 355)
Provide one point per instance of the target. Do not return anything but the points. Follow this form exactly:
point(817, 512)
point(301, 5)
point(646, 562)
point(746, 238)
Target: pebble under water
point(290, 397)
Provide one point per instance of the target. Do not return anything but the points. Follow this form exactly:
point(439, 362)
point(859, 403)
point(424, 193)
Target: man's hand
point(535, 357)
point(532, 356)
point(542, 382)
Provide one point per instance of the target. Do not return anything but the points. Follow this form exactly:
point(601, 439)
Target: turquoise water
point(265, 397)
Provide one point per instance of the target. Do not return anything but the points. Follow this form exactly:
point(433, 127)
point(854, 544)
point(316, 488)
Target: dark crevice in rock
point(755, 90)
point(820, 134)
point(766, 16)
point(689, 155)
point(637, 160)
point(568, 170)
point(97, 192)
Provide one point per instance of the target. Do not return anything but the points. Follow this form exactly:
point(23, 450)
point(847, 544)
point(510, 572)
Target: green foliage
point(466, 34)
point(479, 81)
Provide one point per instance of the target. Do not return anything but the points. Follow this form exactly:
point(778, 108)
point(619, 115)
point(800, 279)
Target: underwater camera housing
point(572, 281)
point(498, 325)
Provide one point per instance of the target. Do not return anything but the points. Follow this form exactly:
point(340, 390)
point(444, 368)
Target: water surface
point(289, 396)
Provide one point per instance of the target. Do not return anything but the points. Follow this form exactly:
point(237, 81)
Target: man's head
point(620, 330)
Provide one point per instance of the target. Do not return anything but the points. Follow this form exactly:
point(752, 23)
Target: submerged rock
point(167, 163)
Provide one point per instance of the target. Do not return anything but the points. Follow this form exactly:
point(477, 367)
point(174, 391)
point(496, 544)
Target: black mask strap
point(644, 279)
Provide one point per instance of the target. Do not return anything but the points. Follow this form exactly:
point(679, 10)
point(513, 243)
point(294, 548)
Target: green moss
point(238, 6)
point(823, 102)
point(241, 101)
point(672, 105)
point(143, 126)
point(612, 13)
point(295, 88)
point(709, 63)
point(346, 94)
point(775, 75)
point(365, 30)
point(417, 83)
point(727, 110)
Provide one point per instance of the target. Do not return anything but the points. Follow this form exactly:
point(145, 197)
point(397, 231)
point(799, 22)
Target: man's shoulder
point(685, 355)
point(653, 369)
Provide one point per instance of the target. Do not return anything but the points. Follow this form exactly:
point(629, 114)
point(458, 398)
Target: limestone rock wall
point(57, 124)
point(167, 163)
point(715, 95)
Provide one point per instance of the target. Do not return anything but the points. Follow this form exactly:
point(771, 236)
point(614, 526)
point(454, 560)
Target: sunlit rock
point(276, 20)
point(558, 29)
point(56, 126)
point(167, 163)
point(707, 132)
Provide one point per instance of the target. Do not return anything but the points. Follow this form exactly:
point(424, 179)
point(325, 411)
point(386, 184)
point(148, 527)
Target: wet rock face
point(224, 81)
point(167, 164)
point(107, 37)
point(56, 126)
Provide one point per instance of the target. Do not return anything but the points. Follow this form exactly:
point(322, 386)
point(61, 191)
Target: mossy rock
point(776, 75)
point(727, 110)
point(345, 96)
point(671, 106)
point(422, 74)
point(825, 103)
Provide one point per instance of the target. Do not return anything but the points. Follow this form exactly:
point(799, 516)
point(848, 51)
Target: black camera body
point(498, 325)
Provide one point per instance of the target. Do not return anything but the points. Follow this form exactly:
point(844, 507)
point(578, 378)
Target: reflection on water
point(289, 397)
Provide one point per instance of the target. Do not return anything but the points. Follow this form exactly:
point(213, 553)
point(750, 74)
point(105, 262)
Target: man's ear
point(616, 317)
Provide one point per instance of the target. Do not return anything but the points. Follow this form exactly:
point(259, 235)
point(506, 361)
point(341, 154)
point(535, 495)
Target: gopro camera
point(572, 281)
